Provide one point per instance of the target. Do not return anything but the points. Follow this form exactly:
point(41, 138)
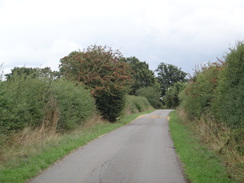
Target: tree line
point(109, 77)
point(106, 76)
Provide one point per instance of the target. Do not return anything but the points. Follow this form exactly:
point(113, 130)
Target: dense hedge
point(152, 94)
point(218, 89)
point(230, 101)
point(74, 104)
point(134, 104)
point(36, 102)
point(21, 103)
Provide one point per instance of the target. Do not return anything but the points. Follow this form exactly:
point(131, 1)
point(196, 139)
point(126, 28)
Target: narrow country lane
point(140, 152)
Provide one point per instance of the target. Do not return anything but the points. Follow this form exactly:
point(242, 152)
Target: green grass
point(21, 169)
point(200, 165)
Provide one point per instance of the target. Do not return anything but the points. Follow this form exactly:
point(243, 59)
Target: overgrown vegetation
point(218, 89)
point(213, 104)
point(101, 70)
point(69, 104)
point(171, 97)
point(26, 101)
point(135, 104)
point(38, 104)
point(229, 105)
point(39, 108)
point(152, 94)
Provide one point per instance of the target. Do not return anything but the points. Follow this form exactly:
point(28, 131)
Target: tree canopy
point(32, 72)
point(142, 75)
point(100, 69)
point(168, 75)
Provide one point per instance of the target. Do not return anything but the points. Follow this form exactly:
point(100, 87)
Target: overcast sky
point(185, 33)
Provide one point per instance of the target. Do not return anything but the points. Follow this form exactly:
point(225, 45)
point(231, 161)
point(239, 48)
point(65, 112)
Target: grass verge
point(200, 164)
point(22, 168)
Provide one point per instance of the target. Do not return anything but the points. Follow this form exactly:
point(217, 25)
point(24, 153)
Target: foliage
point(111, 105)
point(135, 104)
point(218, 89)
point(101, 70)
point(152, 94)
point(21, 103)
point(214, 102)
point(143, 77)
point(200, 91)
point(168, 75)
point(27, 101)
point(71, 102)
point(171, 98)
point(32, 72)
point(230, 96)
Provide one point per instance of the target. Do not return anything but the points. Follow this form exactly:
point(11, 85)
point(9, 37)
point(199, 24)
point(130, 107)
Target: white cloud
point(184, 33)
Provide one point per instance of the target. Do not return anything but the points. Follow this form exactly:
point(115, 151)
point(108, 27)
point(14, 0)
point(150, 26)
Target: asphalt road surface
point(140, 152)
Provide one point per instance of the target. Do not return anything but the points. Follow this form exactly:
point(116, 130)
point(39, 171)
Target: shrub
point(218, 89)
point(152, 94)
point(22, 103)
point(136, 104)
point(199, 92)
point(109, 105)
point(71, 102)
point(32, 102)
point(171, 98)
point(230, 99)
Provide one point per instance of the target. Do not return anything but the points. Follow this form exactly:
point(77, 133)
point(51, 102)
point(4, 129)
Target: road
point(140, 152)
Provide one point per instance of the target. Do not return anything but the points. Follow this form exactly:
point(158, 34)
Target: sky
point(185, 33)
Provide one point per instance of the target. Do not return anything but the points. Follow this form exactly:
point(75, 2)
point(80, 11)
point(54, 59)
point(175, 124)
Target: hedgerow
point(213, 105)
point(230, 89)
point(135, 104)
point(71, 103)
point(218, 89)
point(35, 102)
point(152, 94)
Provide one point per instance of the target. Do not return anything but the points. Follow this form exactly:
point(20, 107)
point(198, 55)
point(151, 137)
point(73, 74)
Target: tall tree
point(143, 76)
point(168, 75)
point(101, 70)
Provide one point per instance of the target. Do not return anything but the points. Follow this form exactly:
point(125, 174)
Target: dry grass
point(96, 119)
point(30, 141)
point(227, 143)
point(26, 142)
